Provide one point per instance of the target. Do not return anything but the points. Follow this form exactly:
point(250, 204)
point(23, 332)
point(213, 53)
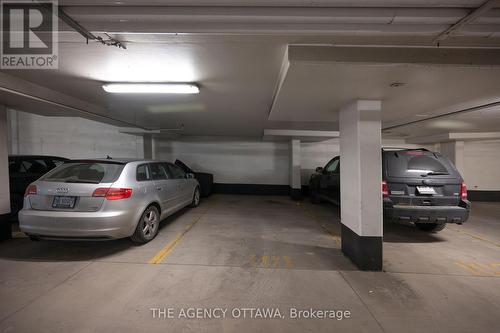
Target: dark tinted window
point(158, 171)
point(14, 167)
point(143, 173)
point(333, 166)
point(93, 173)
point(34, 166)
point(177, 172)
point(417, 163)
point(57, 162)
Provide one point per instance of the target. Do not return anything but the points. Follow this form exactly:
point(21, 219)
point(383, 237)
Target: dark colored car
point(25, 169)
point(418, 186)
point(206, 180)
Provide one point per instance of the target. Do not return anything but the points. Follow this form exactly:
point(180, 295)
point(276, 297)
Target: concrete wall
point(68, 137)
point(481, 170)
point(232, 161)
point(250, 161)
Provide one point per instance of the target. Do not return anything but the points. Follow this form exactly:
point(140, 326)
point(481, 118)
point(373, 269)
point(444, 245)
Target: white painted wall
point(481, 162)
point(250, 161)
point(69, 137)
point(232, 161)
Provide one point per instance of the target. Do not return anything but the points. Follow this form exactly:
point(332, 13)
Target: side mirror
point(189, 175)
point(319, 170)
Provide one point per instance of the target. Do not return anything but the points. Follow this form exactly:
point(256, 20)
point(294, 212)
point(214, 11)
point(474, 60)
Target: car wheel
point(315, 199)
point(147, 227)
point(196, 198)
point(430, 227)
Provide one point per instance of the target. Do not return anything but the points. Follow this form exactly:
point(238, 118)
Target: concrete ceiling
point(236, 55)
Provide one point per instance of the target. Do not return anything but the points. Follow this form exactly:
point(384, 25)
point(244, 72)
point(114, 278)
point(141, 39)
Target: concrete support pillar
point(295, 182)
point(360, 183)
point(149, 146)
point(454, 150)
point(4, 176)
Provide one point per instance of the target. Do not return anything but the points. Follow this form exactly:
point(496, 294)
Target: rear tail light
point(30, 190)
point(385, 189)
point(112, 193)
point(463, 191)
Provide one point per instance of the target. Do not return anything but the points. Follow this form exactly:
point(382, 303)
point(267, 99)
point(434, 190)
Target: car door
point(182, 183)
point(163, 185)
point(331, 180)
point(27, 171)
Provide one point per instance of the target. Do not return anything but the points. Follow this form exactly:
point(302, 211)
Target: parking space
point(255, 251)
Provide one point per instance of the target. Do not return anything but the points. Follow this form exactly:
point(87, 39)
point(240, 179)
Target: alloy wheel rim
point(150, 224)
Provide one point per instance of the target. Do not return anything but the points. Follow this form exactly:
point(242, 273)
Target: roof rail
point(398, 149)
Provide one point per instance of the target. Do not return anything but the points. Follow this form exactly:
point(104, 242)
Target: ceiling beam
point(393, 55)
point(447, 137)
point(30, 97)
point(466, 20)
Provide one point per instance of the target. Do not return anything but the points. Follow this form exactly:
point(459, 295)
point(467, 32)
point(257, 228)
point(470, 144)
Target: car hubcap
point(150, 224)
point(196, 197)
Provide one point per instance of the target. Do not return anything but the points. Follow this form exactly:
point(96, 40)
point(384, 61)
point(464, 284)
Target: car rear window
point(417, 163)
point(92, 173)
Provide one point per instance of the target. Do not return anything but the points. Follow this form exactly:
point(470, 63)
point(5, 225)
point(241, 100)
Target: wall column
point(295, 169)
point(454, 150)
point(5, 228)
point(149, 147)
point(360, 183)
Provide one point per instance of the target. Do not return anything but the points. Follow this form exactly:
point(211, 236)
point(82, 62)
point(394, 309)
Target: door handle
point(159, 188)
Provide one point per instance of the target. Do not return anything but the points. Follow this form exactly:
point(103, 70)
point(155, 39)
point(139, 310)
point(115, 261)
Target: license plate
point(425, 190)
point(63, 202)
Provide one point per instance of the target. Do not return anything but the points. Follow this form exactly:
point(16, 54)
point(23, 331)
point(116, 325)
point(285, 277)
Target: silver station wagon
point(106, 199)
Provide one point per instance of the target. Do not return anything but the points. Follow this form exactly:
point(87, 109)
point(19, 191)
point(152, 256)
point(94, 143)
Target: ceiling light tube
point(151, 88)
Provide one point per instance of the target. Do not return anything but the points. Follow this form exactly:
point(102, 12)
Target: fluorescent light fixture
point(151, 88)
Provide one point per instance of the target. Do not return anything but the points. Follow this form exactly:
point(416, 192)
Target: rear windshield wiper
point(82, 181)
point(437, 173)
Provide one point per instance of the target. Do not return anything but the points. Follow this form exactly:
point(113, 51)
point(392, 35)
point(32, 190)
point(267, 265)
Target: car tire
point(315, 199)
point(430, 227)
point(147, 226)
point(196, 198)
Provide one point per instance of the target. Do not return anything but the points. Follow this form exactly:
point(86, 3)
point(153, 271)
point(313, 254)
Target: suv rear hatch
point(421, 178)
point(72, 186)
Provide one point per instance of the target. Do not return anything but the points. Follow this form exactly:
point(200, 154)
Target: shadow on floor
point(23, 249)
point(408, 233)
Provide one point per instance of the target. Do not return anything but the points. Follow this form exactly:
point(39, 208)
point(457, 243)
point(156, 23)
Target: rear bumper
point(427, 214)
point(77, 225)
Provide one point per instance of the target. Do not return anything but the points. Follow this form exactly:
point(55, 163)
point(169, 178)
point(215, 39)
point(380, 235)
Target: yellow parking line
point(478, 237)
point(469, 268)
point(265, 261)
point(164, 252)
point(288, 262)
point(328, 231)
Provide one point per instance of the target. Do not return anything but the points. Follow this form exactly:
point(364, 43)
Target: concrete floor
point(239, 252)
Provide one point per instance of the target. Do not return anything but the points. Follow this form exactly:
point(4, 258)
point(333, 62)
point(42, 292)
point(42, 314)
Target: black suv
point(25, 169)
point(418, 186)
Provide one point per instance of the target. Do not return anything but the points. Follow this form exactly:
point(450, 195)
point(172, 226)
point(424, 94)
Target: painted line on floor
point(478, 269)
point(271, 261)
point(165, 251)
point(323, 226)
point(478, 237)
